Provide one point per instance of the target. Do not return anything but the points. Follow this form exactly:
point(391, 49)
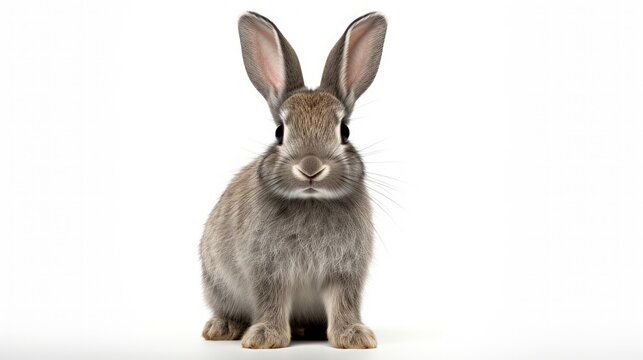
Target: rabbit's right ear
point(270, 61)
point(352, 64)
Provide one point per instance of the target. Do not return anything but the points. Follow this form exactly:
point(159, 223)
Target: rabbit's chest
point(309, 244)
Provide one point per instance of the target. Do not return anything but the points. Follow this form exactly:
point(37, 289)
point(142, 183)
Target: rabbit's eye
point(345, 133)
point(279, 134)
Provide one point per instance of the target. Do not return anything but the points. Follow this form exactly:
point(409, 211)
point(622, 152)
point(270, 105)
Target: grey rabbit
point(285, 251)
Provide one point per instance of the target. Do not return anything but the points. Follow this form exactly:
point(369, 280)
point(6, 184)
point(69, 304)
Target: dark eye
point(345, 133)
point(279, 134)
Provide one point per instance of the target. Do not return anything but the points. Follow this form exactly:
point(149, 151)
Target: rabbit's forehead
point(312, 110)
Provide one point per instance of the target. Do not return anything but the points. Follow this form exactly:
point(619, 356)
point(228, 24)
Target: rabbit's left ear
point(353, 62)
point(270, 61)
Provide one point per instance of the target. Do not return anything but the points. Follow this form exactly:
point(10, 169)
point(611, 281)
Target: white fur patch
point(283, 114)
point(340, 114)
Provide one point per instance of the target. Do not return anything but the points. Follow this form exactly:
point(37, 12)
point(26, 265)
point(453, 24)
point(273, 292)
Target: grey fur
point(286, 253)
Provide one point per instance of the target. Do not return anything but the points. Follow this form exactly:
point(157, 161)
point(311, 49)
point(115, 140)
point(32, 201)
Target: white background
point(511, 135)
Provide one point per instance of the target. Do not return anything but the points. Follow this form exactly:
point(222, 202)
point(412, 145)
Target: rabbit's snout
point(310, 168)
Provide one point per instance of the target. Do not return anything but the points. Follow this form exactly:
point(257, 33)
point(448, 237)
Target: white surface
point(513, 131)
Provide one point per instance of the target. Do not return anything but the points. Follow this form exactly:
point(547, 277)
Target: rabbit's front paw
point(223, 329)
point(264, 336)
point(355, 336)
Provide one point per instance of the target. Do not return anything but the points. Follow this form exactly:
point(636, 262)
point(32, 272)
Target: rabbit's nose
point(310, 168)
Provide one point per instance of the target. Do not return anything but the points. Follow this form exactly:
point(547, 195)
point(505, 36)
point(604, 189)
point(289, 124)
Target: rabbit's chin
point(320, 193)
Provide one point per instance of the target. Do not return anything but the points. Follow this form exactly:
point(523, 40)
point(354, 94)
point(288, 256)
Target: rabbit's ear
point(352, 64)
point(270, 61)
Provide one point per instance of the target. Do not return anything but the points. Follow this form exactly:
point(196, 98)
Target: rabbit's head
point(312, 156)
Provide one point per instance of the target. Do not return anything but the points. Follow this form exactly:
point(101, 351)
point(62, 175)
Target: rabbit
point(286, 249)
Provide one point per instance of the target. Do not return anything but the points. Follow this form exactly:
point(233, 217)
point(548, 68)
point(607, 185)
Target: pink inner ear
point(359, 52)
point(267, 56)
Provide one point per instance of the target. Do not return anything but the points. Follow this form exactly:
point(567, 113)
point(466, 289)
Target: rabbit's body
point(303, 244)
point(286, 248)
